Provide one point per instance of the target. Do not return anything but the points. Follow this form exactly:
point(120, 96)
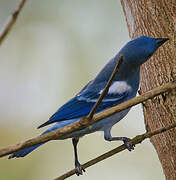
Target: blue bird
point(124, 87)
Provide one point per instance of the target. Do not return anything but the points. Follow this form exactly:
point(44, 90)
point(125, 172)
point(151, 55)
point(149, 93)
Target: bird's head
point(139, 50)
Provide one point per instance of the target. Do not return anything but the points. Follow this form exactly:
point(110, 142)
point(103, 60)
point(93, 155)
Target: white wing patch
point(118, 87)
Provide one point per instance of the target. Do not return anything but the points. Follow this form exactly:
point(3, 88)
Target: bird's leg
point(108, 137)
point(78, 166)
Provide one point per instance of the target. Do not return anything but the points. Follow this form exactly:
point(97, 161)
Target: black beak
point(161, 41)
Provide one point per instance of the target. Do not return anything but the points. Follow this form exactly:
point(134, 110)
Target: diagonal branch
point(12, 19)
point(136, 140)
point(85, 122)
point(105, 91)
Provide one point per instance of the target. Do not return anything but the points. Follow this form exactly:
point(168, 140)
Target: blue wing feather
point(82, 104)
point(73, 109)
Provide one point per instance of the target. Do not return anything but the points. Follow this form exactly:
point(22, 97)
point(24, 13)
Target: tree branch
point(12, 19)
point(136, 140)
point(84, 122)
point(106, 89)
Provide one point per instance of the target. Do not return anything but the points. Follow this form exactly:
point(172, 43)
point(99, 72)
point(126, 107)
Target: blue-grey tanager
point(124, 87)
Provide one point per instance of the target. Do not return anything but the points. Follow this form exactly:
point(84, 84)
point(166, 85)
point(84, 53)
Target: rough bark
point(157, 18)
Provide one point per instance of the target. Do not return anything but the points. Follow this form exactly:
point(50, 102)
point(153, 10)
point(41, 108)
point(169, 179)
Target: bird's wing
point(83, 102)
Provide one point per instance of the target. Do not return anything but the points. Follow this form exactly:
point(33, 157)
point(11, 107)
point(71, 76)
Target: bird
point(123, 88)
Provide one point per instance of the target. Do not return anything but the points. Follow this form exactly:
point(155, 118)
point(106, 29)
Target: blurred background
point(53, 50)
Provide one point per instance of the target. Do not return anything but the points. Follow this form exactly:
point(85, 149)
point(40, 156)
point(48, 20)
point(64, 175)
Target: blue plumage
point(81, 105)
point(24, 152)
point(123, 88)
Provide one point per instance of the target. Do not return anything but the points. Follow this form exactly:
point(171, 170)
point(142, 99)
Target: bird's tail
point(26, 151)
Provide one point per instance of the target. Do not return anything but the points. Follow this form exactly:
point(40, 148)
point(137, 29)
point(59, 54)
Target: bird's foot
point(128, 144)
point(79, 168)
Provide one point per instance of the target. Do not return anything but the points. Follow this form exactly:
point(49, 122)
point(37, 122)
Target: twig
point(136, 140)
point(12, 19)
point(106, 89)
point(85, 123)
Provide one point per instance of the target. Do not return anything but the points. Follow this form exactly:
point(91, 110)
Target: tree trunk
point(157, 18)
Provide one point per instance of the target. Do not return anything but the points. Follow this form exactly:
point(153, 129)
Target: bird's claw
point(79, 169)
point(128, 144)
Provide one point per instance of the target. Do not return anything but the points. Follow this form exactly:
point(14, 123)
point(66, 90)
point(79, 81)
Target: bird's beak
point(161, 41)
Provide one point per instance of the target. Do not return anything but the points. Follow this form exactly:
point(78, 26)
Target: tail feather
point(23, 152)
point(26, 151)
